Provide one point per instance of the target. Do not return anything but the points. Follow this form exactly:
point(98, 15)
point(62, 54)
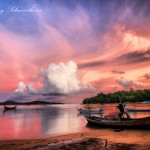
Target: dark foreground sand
point(94, 139)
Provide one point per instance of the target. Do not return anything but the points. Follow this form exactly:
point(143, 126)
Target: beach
point(60, 127)
point(93, 139)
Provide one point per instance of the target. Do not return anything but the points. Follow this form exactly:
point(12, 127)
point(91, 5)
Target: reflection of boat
point(9, 108)
point(90, 111)
point(143, 123)
point(137, 110)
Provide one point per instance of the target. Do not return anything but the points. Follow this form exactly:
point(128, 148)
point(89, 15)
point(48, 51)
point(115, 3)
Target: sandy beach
point(93, 139)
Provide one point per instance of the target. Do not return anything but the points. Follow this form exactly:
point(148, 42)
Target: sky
point(73, 49)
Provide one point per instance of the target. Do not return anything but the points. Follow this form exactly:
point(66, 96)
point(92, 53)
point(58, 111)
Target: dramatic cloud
point(124, 82)
point(134, 57)
point(22, 87)
point(105, 38)
point(59, 79)
point(62, 79)
point(92, 64)
point(25, 88)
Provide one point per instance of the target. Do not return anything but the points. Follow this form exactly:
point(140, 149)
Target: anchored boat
point(9, 108)
point(113, 122)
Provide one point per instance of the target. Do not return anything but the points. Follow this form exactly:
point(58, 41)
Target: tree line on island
point(124, 96)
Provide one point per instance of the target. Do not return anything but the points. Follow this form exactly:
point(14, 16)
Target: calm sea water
point(45, 121)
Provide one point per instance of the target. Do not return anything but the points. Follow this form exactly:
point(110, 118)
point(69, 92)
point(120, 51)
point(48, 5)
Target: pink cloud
point(75, 39)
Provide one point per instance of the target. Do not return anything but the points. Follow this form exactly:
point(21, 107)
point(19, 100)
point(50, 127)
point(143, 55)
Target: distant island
point(124, 96)
point(28, 103)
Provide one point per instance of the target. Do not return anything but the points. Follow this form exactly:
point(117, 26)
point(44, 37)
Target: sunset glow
point(102, 44)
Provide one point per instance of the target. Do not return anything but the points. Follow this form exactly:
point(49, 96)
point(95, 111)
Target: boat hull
point(9, 108)
point(141, 123)
point(137, 110)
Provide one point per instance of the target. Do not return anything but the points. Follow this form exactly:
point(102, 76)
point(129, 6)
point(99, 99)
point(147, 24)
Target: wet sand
point(94, 139)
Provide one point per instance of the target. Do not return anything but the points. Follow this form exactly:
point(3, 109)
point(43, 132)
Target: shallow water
point(48, 120)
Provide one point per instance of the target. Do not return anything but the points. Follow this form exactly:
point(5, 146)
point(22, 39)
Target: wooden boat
point(137, 110)
point(114, 122)
point(89, 111)
point(9, 108)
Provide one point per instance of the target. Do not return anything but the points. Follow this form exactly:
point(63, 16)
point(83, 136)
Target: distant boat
point(9, 108)
point(137, 110)
point(89, 111)
point(146, 101)
point(141, 123)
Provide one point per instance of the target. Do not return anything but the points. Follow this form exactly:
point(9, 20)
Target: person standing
point(121, 109)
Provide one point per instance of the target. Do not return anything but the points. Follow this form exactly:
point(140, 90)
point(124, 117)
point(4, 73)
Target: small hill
point(28, 103)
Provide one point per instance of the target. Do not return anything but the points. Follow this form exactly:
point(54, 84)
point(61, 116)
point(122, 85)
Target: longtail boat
point(113, 122)
point(9, 108)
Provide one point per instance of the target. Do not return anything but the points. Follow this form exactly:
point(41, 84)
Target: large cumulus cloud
point(61, 78)
point(58, 79)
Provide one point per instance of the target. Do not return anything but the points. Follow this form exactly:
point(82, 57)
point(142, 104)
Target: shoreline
point(91, 138)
